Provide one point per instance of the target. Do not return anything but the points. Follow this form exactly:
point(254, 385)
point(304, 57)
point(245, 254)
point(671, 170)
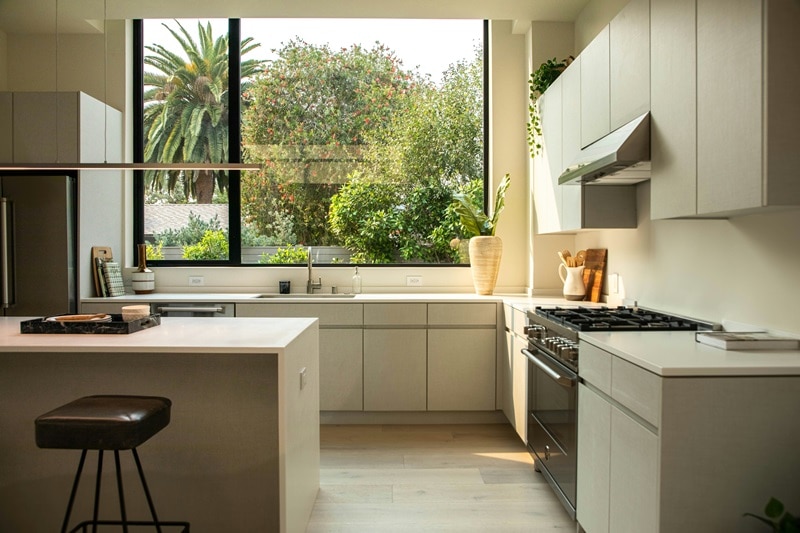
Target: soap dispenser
point(356, 282)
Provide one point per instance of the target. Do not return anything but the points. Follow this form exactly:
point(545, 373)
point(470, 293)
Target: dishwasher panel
point(193, 309)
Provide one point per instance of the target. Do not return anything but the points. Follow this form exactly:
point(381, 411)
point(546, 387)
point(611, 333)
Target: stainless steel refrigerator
point(38, 222)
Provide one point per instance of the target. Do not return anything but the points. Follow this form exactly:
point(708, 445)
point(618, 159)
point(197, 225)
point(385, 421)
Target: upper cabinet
point(63, 127)
point(595, 89)
point(724, 106)
point(629, 71)
point(615, 73)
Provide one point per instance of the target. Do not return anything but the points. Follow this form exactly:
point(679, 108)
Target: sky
point(430, 45)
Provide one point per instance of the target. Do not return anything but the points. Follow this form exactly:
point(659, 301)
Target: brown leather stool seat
point(106, 423)
point(103, 423)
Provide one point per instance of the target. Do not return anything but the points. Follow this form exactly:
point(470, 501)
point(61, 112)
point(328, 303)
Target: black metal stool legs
point(124, 522)
point(146, 490)
point(74, 490)
point(97, 490)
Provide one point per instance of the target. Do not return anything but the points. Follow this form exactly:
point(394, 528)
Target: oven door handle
point(558, 378)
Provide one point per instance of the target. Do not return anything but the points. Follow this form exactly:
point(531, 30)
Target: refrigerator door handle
point(6, 261)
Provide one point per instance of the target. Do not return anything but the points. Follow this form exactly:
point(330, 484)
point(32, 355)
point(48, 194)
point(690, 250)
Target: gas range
point(556, 329)
point(553, 380)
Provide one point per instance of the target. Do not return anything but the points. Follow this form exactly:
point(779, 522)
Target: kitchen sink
point(303, 296)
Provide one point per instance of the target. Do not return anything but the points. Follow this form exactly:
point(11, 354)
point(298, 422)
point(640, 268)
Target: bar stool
point(106, 423)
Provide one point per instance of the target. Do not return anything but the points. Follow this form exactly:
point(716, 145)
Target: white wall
point(743, 269)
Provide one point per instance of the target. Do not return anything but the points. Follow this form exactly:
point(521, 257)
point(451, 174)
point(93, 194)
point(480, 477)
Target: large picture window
point(359, 132)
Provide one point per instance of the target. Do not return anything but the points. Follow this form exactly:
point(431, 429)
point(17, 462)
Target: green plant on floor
point(777, 518)
point(540, 80)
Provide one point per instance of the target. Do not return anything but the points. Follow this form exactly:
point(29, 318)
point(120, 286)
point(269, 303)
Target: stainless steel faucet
point(311, 285)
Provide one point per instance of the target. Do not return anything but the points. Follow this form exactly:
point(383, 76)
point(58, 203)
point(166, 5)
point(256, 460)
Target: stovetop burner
point(617, 319)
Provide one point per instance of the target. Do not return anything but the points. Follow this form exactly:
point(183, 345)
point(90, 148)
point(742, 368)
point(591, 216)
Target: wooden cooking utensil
point(580, 257)
point(563, 259)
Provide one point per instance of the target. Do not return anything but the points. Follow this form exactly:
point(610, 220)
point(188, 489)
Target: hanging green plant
point(538, 83)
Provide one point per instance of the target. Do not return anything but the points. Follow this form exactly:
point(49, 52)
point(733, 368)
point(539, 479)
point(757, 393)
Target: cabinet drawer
point(595, 367)
point(395, 314)
point(636, 388)
point(468, 314)
point(333, 314)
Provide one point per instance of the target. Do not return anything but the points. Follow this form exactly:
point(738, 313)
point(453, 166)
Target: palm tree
point(186, 109)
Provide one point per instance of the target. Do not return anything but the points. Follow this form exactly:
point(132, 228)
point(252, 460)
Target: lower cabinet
point(461, 369)
point(681, 453)
point(395, 370)
point(594, 458)
point(515, 372)
point(341, 386)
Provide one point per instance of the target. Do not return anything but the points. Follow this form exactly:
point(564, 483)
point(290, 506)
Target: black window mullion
point(234, 140)
point(138, 133)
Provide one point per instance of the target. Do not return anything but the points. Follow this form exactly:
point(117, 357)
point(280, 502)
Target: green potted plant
point(485, 248)
point(538, 83)
point(777, 518)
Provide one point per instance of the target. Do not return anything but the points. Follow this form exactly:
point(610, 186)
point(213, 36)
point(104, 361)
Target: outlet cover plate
point(413, 281)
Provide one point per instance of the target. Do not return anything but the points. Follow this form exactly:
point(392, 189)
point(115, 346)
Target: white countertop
point(518, 301)
point(675, 353)
point(175, 335)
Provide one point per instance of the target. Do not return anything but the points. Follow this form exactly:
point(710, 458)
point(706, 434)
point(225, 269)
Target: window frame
point(235, 153)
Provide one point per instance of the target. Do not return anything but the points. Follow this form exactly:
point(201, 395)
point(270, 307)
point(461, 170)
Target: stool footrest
point(135, 523)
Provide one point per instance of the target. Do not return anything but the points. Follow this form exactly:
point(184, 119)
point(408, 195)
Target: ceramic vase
point(484, 262)
point(143, 280)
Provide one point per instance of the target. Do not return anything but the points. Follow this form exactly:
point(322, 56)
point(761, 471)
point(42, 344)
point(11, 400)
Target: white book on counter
point(747, 340)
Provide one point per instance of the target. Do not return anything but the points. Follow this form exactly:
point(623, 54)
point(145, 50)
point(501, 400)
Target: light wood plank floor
point(431, 478)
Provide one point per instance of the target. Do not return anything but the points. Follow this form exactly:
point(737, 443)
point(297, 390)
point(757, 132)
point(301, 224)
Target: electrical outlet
point(413, 281)
point(196, 281)
point(613, 283)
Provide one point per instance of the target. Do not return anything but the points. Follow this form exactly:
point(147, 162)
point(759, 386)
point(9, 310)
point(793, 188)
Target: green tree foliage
point(308, 118)
point(186, 109)
point(440, 135)
point(213, 246)
point(363, 216)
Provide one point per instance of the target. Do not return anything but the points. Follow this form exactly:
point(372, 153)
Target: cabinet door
point(507, 368)
point(729, 105)
point(595, 89)
point(634, 476)
point(40, 136)
point(594, 456)
point(6, 131)
point(520, 388)
point(395, 366)
point(329, 314)
point(548, 165)
point(629, 74)
point(673, 132)
point(461, 369)
point(341, 370)
point(570, 195)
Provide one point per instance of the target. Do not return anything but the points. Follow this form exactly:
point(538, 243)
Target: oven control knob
point(569, 353)
point(534, 331)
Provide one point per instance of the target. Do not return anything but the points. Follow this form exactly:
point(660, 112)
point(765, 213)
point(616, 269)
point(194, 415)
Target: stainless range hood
point(620, 158)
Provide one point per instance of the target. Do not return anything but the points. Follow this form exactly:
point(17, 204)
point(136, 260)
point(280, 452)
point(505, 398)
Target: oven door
point(553, 423)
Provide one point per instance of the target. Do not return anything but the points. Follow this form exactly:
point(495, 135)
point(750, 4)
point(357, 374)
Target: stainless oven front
point(553, 422)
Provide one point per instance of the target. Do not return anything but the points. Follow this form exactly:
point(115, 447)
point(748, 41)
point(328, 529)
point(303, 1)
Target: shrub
point(288, 255)
point(213, 246)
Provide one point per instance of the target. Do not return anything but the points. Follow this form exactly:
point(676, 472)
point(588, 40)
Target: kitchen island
point(241, 452)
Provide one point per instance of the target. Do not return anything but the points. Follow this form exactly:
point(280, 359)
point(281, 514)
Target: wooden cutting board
point(104, 254)
point(594, 273)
